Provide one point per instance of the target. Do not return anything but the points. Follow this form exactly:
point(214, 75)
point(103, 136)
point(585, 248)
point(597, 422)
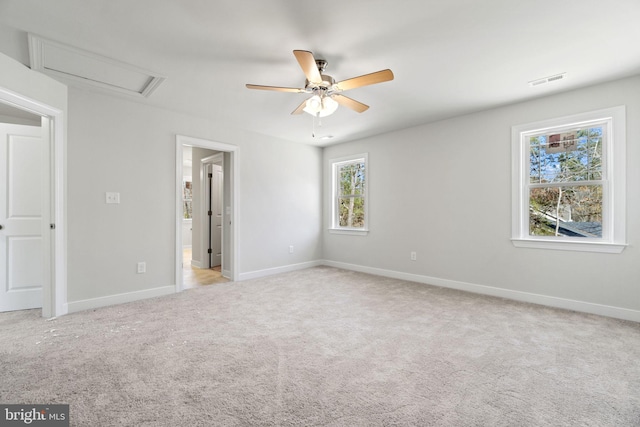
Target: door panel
point(216, 207)
point(21, 217)
point(24, 270)
point(23, 176)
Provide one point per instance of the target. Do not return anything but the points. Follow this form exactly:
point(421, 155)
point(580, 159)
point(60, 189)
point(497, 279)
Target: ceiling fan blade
point(300, 108)
point(367, 79)
point(350, 103)
point(276, 88)
point(308, 64)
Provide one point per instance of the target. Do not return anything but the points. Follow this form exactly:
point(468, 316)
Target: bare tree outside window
point(349, 193)
point(565, 193)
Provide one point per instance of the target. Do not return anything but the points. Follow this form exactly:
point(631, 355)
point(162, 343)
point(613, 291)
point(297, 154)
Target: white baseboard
point(92, 303)
point(277, 270)
point(196, 264)
point(568, 304)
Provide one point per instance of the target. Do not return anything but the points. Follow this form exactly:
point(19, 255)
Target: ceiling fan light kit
point(320, 106)
point(326, 93)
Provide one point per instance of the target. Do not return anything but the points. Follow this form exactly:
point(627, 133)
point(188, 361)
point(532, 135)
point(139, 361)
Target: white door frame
point(181, 141)
point(54, 291)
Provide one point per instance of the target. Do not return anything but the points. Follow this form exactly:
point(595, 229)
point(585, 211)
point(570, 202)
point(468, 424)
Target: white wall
point(128, 147)
point(18, 78)
point(285, 206)
point(36, 121)
point(187, 234)
point(444, 191)
point(27, 88)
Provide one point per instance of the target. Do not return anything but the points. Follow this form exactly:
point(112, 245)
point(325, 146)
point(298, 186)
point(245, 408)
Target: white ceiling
point(449, 57)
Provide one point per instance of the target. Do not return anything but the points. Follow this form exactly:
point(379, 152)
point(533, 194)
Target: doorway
point(52, 221)
point(225, 157)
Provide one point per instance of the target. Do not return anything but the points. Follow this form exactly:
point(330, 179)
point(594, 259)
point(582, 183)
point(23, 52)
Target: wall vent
point(549, 79)
point(87, 69)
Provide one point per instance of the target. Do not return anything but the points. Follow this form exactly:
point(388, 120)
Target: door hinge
point(210, 251)
point(210, 175)
point(210, 213)
point(52, 226)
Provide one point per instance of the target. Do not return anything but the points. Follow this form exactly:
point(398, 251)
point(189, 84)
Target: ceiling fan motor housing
point(326, 84)
point(327, 81)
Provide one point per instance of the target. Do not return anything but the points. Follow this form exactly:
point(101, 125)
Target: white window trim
point(333, 227)
point(614, 204)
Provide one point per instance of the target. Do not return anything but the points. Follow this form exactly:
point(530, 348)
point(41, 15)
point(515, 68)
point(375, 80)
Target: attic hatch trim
point(90, 70)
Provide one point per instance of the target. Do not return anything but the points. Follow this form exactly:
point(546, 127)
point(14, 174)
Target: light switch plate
point(113, 197)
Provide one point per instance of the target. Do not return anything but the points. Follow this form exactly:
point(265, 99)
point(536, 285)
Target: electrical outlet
point(291, 249)
point(112, 197)
point(414, 256)
point(142, 267)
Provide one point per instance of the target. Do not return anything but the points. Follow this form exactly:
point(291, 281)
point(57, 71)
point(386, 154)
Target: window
point(349, 201)
point(568, 183)
point(187, 200)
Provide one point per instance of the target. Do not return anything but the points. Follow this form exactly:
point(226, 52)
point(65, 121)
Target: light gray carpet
point(325, 346)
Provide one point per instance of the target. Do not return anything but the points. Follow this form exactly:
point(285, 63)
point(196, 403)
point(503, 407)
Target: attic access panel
point(89, 69)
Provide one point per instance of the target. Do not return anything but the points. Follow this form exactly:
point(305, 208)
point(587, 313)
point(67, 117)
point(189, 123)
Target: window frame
point(334, 164)
point(613, 238)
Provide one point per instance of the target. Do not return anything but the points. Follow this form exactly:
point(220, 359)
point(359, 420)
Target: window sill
point(349, 231)
point(610, 248)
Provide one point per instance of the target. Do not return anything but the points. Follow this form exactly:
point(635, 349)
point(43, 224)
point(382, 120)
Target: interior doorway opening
point(206, 229)
point(53, 253)
point(203, 194)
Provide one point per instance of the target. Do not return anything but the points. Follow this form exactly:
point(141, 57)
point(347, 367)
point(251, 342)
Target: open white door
point(24, 216)
point(215, 200)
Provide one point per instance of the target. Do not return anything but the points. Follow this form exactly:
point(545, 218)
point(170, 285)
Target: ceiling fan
point(326, 93)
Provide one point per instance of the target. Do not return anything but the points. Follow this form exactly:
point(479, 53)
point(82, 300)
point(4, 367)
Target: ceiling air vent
point(549, 79)
point(87, 69)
